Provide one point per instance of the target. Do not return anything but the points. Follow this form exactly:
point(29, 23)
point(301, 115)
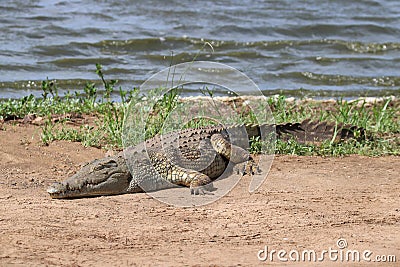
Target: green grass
point(381, 120)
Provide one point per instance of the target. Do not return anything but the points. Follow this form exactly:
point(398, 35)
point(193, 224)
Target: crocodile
point(192, 158)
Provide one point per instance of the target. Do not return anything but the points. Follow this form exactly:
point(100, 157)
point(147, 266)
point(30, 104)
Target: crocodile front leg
point(199, 183)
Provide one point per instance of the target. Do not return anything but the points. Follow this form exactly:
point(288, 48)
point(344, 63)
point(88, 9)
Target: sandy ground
point(306, 203)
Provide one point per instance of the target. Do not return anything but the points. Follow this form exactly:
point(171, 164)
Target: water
point(327, 47)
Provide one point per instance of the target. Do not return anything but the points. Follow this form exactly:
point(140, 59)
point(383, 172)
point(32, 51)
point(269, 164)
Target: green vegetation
point(381, 120)
point(106, 129)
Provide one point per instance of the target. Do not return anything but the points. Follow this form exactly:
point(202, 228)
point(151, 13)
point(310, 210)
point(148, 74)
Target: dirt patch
point(305, 203)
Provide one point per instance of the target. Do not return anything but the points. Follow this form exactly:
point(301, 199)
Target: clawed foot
point(203, 190)
point(250, 167)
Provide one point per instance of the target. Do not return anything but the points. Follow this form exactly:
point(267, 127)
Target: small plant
point(384, 118)
point(90, 93)
point(49, 87)
point(108, 85)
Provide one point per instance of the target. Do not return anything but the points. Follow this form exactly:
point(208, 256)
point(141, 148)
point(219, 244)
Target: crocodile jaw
point(108, 176)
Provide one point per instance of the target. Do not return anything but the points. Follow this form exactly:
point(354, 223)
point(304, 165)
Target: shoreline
point(34, 88)
point(294, 100)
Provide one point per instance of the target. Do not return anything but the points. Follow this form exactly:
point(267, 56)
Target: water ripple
point(335, 45)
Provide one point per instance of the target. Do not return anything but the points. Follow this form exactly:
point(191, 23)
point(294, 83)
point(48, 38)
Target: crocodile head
point(107, 176)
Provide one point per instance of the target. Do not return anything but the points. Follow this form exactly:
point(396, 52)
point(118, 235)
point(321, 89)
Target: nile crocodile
point(200, 157)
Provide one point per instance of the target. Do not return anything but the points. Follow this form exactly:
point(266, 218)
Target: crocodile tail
point(309, 131)
point(254, 130)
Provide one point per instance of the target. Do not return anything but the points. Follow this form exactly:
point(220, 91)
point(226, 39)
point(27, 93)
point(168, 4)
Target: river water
point(325, 47)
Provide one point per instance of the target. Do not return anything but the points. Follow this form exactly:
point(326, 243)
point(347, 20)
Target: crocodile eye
point(111, 164)
point(108, 164)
